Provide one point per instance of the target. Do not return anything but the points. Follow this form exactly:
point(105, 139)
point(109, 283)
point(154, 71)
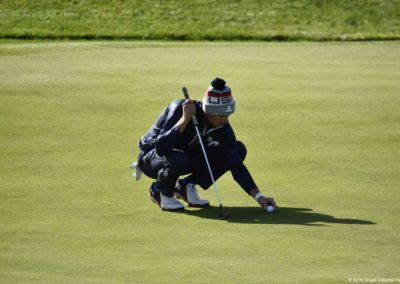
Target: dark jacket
point(220, 143)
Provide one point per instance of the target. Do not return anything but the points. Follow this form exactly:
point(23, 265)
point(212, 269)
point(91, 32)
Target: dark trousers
point(167, 169)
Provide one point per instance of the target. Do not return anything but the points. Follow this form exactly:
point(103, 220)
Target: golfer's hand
point(267, 201)
point(188, 108)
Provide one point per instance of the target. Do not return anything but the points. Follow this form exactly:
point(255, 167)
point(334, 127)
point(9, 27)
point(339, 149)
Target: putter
point(196, 126)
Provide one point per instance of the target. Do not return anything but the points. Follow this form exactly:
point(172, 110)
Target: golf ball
point(270, 209)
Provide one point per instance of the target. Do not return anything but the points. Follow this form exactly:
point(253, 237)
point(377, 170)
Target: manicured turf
point(201, 20)
point(321, 123)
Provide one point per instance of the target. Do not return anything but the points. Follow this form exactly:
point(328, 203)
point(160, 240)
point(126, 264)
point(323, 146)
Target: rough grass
point(321, 123)
point(263, 20)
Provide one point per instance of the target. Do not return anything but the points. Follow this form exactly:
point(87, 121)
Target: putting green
point(321, 123)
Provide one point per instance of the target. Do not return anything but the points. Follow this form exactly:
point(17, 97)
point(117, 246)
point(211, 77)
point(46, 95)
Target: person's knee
point(178, 163)
point(241, 150)
point(236, 160)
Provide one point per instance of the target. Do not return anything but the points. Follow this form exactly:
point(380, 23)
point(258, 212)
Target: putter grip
point(186, 95)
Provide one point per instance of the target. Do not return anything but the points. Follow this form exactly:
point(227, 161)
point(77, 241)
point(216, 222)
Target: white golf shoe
point(170, 203)
point(138, 171)
point(165, 202)
point(189, 194)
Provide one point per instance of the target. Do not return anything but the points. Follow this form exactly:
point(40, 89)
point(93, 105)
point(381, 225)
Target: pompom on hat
point(218, 99)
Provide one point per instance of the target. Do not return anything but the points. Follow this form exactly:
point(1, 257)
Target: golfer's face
point(217, 121)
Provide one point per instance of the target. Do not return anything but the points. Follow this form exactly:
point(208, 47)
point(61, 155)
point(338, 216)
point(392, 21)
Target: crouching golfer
point(171, 149)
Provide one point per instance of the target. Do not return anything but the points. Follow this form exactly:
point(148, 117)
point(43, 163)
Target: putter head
point(222, 215)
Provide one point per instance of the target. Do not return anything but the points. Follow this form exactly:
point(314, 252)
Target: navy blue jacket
point(164, 136)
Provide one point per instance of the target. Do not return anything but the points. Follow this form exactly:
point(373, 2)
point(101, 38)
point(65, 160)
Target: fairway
point(321, 122)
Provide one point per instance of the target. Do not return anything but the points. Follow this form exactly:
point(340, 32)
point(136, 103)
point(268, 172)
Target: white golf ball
point(270, 209)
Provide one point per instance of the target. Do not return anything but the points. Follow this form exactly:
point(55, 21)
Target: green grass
point(322, 127)
point(263, 20)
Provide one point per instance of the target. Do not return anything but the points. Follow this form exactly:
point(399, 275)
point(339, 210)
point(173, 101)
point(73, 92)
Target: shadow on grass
point(285, 216)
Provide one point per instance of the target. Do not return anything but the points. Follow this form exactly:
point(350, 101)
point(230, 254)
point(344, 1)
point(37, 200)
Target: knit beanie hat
point(218, 99)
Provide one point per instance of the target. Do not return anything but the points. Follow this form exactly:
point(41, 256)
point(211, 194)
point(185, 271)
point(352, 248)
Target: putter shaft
point(196, 126)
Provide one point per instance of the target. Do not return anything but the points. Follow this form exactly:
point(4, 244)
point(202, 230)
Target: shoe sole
point(198, 205)
point(173, 210)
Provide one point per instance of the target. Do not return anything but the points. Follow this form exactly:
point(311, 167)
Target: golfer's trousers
point(167, 169)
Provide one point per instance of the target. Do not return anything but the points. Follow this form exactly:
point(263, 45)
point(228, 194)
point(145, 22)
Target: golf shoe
point(189, 194)
point(165, 202)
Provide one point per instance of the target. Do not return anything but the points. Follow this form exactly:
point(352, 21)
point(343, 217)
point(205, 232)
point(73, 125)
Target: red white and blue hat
point(218, 99)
